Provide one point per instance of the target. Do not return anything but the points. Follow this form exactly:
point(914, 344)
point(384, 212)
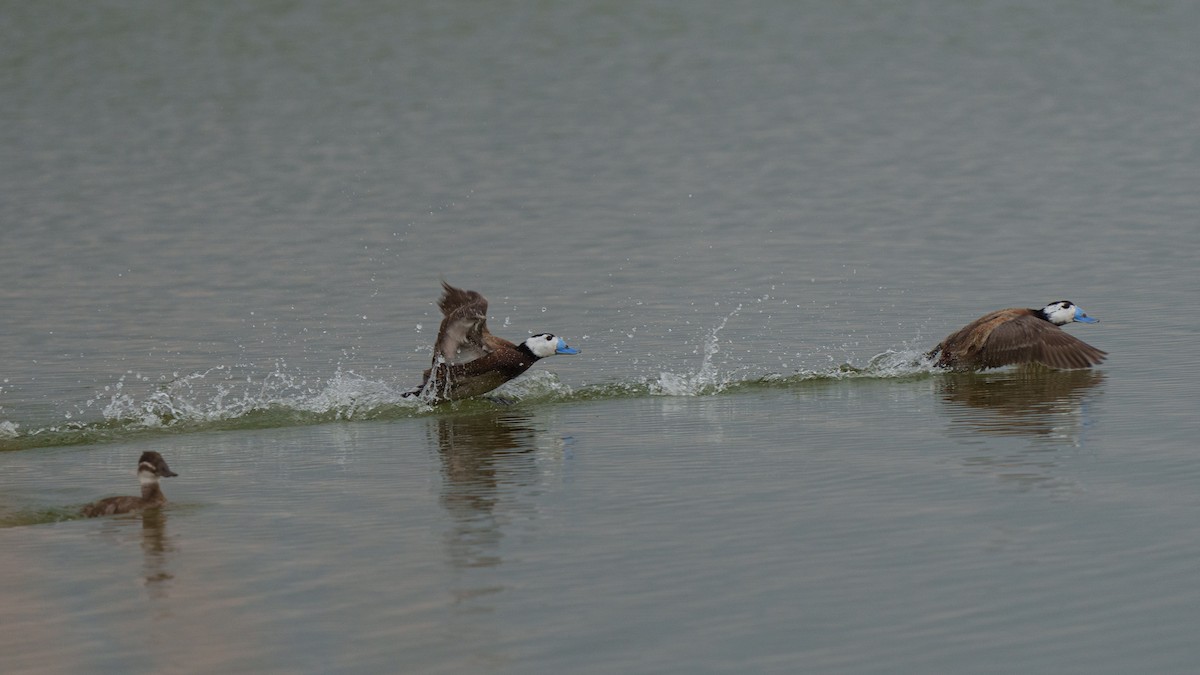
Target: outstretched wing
point(1029, 339)
point(461, 337)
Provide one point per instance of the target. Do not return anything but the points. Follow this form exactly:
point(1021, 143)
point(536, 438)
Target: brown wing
point(964, 347)
point(1029, 339)
point(495, 344)
point(461, 337)
point(1062, 350)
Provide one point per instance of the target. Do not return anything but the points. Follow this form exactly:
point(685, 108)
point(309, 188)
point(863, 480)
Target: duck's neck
point(1041, 314)
point(524, 349)
point(151, 492)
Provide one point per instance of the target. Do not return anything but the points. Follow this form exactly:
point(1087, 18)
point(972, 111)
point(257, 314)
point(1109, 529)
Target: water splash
point(222, 397)
point(886, 365)
point(221, 394)
point(235, 397)
point(534, 385)
point(705, 380)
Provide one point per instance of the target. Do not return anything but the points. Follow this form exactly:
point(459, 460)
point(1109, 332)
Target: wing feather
point(462, 335)
point(1029, 339)
point(964, 347)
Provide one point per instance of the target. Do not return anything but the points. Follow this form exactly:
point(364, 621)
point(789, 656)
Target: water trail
point(222, 397)
point(235, 397)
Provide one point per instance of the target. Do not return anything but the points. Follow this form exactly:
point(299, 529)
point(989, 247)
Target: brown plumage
point(1017, 336)
point(151, 466)
point(467, 359)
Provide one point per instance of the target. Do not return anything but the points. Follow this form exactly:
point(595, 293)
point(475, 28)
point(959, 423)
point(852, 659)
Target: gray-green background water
point(223, 233)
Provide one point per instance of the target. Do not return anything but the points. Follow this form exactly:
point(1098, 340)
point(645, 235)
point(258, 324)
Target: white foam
point(218, 394)
point(535, 384)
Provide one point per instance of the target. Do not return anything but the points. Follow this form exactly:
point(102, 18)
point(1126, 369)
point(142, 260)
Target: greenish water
point(224, 230)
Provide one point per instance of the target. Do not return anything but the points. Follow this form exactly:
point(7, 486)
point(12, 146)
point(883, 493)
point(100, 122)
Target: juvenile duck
point(151, 466)
point(468, 360)
point(1014, 336)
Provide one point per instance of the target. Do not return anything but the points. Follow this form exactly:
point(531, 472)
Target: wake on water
point(225, 398)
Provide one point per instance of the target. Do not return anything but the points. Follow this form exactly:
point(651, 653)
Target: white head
point(1063, 312)
point(545, 344)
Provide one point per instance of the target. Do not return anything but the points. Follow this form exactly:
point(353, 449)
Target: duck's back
point(965, 346)
point(112, 506)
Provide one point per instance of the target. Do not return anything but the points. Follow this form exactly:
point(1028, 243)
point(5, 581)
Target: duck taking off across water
point(468, 360)
point(151, 467)
point(1017, 336)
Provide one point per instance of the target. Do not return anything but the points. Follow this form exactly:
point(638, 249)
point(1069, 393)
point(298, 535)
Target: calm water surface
point(223, 232)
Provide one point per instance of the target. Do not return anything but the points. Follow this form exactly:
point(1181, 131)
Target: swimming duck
point(468, 360)
point(1016, 335)
point(151, 466)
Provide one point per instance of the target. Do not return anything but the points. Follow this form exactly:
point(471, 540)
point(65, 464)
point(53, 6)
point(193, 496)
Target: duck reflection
point(1047, 407)
point(1039, 403)
point(156, 547)
point(483, 456)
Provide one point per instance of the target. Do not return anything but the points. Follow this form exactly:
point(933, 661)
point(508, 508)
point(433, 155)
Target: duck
point(1019, 336)
point(468, 360)
point(151, 467)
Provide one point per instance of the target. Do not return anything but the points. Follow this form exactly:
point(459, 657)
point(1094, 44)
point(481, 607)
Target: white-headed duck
point(468, 360)
point(1017, 336)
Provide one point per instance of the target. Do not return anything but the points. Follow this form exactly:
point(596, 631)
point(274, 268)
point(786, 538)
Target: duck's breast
point(484, 374)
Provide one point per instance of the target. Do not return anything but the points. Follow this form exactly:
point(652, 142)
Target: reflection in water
point(1049, 407)
point(155, 547)
point(485, 458)
point(1024, 402)
point(482, 456)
